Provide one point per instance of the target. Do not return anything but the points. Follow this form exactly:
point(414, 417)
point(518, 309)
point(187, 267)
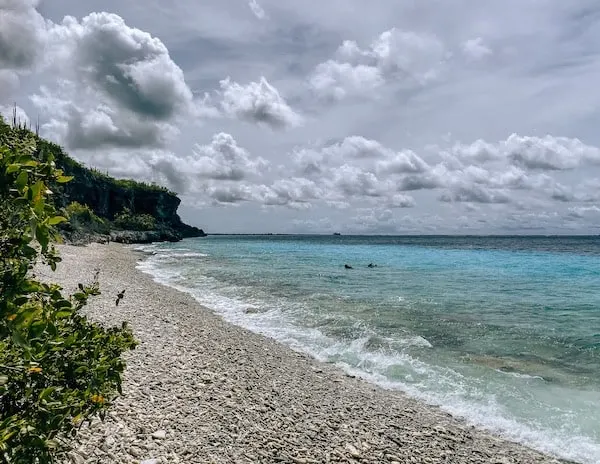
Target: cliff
point(107, 197)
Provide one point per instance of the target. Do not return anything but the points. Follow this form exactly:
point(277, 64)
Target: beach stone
point(135, 452)
point(197, 389)
point(159, 434)
point(352, 449)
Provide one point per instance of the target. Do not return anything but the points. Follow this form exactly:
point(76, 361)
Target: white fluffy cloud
point(535, 153)
point(400, 56)
point(214, 168)
point(256, 9)
point(223, 159)
point(476, 49)
point(258, 102)
point(336, 80)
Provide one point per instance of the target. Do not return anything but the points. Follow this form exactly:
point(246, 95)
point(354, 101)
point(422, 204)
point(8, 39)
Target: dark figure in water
point(372, 265)
point(347, 266)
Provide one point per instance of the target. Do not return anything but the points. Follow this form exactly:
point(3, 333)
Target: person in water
point(347, 266)
point(372, 265)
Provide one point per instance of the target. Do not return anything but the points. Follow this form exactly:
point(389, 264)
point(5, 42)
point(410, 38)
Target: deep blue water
point(504, 331)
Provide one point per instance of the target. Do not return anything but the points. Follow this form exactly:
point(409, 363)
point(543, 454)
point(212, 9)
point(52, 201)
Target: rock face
point(108, 197)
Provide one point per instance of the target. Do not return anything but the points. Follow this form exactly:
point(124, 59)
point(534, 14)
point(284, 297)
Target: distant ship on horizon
point(336, 233)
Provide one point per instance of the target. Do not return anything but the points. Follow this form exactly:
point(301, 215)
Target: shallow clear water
point(504, 331)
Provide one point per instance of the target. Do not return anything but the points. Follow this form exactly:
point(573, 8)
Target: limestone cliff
point(107, 197)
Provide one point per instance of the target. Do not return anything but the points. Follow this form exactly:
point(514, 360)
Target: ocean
point(502, 331)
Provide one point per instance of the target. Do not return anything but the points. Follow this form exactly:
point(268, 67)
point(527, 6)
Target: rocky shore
point(199, 390)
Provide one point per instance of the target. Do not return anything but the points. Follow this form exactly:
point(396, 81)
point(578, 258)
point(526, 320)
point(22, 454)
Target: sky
point(383, 117)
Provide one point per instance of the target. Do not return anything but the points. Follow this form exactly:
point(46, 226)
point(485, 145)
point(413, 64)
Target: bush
point(57, 369)
point(82, 218)
point(127, 221)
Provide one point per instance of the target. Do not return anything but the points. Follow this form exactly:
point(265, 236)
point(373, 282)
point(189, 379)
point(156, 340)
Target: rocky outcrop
point(108, 197)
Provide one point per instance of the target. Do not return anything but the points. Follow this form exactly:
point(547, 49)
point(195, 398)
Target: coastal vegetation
point(99, 207)
point(57, 368)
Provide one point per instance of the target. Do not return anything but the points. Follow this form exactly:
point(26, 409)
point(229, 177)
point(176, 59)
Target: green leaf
point(56, 220)
point(62, 304)
point(37, 189)
point(21, 181)
point(46, 393)
point(12, 168)
point(41, 234)
point(19, 340)
point(64, 179)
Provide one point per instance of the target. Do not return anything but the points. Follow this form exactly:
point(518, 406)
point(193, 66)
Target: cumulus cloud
point(475, 49)
point(258, 102)
point(256, 9)
point(336, 80)
point(580, 212)
point(22, 31)
point(223, 159)
point(210, 169)
point(115, 86)
point(401, 201)
point(92, 122)
point(229, 194)
point(296, 193)
point(406, 161)
point(396, 55)
point(547, 153)
point(475, 194)
point(126, 64)
point(359, 151)
point(352, 181)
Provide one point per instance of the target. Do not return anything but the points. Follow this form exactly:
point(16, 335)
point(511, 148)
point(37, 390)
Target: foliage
point(128, 221)
point(68, 164)
point(81, 217)
point(57, 369)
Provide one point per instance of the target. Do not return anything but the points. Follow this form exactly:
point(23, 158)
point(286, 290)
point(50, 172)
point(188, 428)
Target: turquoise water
point(503, 331)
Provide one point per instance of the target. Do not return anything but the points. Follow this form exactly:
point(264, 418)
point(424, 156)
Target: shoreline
point(200, 390)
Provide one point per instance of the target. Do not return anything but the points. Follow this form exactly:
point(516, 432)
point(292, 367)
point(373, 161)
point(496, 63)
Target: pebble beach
point(200, 390)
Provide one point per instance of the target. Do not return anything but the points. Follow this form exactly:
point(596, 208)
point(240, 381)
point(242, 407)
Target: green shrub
point(126, 220)
point(82, 218)
point(57, 369)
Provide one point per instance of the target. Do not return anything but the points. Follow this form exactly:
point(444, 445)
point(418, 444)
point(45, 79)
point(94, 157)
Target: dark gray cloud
point(117, 86)
point(91, 123)
point(21, 34)
point(126, 64)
